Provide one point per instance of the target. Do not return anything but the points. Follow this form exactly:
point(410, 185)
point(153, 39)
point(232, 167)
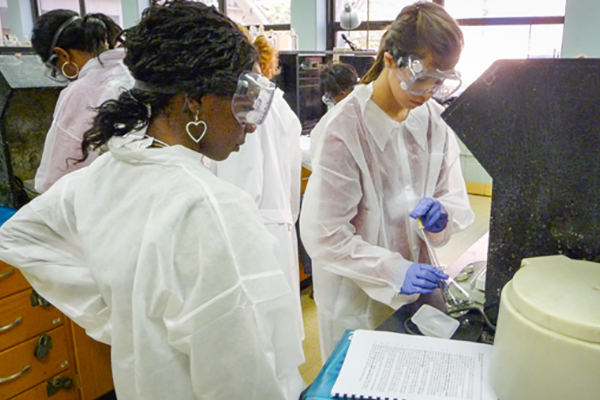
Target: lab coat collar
point(382, 126)
point(106, 58)
point(134, 147)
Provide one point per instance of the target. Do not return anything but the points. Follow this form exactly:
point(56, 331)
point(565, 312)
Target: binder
point(395, 366)
point(320, 389)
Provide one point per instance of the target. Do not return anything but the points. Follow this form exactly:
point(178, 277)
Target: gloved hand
point(432, 214)
point(421, 278)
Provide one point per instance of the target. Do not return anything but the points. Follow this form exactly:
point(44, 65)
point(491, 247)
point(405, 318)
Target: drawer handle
point(15, 376)
point(7, 327)
point(7, 273)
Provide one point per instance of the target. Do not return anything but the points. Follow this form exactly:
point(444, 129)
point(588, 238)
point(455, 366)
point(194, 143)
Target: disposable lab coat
point(368, 173)
point(101, 78)
point(151, 253)
point(268, 168)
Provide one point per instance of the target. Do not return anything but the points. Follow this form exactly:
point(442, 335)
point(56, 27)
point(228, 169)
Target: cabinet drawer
point(39, 392)
point(15, 360)
point(11, 280)
point(26, 321)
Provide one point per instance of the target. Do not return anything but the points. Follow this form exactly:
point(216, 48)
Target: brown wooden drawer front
point(34, 320)
point(39, 392)
point(18, 357)
point(11, 280)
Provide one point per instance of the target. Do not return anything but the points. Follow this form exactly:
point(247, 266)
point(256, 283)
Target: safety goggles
point(252, 99)
point(419, 82)
point(328, 100)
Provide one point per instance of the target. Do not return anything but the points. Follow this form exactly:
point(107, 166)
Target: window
point(377, 10)
point(460, 9)
point(214, 3)
point(111, 8)
point(48, 5)
point(259, 12)
point(486, 44)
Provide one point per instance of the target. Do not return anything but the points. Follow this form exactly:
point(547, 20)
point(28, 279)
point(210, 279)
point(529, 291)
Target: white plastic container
point(433, 322)
point(547, 342)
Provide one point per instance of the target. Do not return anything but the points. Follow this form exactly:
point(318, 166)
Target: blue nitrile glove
point(432, 214)
point(421, 278)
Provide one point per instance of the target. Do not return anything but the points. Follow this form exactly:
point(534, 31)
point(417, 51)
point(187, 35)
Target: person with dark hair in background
point(80, 50)
point(382, 159)
point(146, 248)
point(337, 81)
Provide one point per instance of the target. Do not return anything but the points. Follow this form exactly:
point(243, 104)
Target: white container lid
point(559, 294)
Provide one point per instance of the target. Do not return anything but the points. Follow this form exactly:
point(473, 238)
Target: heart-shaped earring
point(196, 122)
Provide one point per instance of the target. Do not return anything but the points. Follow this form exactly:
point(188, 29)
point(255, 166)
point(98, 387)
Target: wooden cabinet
point(43, 354)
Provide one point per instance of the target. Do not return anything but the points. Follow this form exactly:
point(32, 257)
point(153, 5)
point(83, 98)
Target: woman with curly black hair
point(80, 50)
point(146, 248)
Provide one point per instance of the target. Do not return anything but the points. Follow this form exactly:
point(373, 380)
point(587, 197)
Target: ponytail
point(131, 111)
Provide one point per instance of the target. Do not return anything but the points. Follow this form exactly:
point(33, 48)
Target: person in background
point(150, 252)
point(268, 168)
point(337, 81)
point(382, 159)
point(80, 50)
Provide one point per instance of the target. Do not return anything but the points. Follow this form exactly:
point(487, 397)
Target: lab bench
point(43, 354)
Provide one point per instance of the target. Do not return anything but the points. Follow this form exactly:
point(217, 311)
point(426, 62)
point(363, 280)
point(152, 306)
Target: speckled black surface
point(534, 125)
point(27, 99)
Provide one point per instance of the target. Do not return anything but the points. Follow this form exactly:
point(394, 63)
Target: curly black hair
point(88, 33)
point(178, 47)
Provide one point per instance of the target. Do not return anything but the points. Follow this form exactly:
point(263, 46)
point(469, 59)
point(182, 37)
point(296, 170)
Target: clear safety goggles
point(328, 100)
point(419, 82)
point(252, 99)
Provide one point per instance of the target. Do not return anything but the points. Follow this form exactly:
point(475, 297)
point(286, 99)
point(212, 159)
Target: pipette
point(444, 285)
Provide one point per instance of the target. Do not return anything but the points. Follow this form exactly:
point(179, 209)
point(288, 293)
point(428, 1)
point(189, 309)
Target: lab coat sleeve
point(294, 129)
point(40, 240)
point(62, 147)
point(330, 205)
point(231, 317)
point(452, 193)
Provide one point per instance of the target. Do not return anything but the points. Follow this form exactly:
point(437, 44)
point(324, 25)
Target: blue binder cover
point(6, 213)
point(320, 389)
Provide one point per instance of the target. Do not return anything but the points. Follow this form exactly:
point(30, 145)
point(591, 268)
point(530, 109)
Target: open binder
point(387, 365)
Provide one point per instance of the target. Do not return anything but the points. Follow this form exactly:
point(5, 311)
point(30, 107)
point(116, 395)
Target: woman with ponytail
point(79, 50)
point(383, 162)
point(146, 248)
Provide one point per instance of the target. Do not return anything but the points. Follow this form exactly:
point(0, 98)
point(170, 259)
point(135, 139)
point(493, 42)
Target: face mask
point(328, 100)
point(419, 82)
point(252, 99)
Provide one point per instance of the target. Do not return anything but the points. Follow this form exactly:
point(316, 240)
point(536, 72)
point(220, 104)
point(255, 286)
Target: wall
point(581, 35)
point(309, 22)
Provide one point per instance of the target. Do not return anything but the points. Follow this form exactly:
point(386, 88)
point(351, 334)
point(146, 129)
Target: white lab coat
point(151, 253)
point(101, 78)
point(268, 168)
point(368, 173)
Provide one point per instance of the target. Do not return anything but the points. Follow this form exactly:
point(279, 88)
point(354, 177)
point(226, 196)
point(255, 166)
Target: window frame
point(334, 27)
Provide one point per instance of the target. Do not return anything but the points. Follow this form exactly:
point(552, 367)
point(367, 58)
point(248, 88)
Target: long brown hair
point(419, 28)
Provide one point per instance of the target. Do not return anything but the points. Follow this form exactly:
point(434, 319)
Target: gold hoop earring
point(62, 70)
point(196, 122)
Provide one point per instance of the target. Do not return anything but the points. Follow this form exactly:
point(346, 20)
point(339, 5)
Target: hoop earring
point(62, 70)
point(196, 122)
